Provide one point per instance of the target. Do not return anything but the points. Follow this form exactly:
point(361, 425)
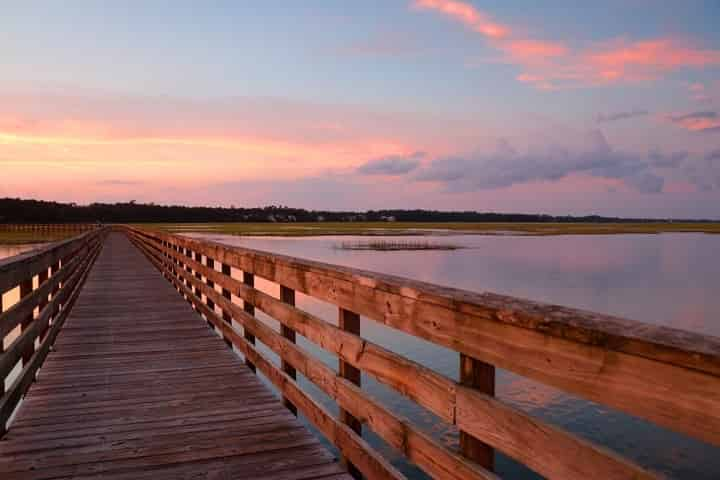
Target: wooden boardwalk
point(138, 387)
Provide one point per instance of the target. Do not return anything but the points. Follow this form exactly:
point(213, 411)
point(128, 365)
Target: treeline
point(15, 210)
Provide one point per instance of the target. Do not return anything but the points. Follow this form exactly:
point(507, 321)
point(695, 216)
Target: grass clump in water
point(396, 245)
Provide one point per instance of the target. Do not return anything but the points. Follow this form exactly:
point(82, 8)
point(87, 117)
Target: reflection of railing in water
point(664, 375)
point(60, 269)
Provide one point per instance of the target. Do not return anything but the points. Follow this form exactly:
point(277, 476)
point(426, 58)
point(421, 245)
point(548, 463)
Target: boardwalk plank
point(137, 387)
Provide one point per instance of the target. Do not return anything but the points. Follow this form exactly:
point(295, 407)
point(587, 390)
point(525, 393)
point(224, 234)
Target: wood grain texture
point(668, 376)
point(369, 462)
point(59, 308)
point(415, 445)
point(137, 387)
point(14, 270)
point(421, 384)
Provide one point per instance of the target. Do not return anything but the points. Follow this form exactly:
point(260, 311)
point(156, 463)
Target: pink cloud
point(696, 121)
point(552, 64)
point(650, 58)
point(531, 51)
point(466, 14)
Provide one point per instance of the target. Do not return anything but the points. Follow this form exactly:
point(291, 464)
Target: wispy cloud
point(615, 116)
point(466, 14)
point(506, 167)
point(551, 65)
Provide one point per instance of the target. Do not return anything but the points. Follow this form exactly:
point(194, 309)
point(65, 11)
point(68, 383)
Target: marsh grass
point(399, 245)
point(20, 238)
point(433, 228)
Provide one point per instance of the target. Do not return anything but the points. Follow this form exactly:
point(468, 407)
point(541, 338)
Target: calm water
point(669, 279)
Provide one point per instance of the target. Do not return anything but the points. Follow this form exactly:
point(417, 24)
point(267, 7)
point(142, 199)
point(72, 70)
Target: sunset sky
point(560, 107)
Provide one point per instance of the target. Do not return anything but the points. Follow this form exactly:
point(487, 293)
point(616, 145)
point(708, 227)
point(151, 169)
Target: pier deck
point(138, 387)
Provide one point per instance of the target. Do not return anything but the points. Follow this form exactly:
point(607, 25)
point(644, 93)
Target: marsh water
point(667, 279)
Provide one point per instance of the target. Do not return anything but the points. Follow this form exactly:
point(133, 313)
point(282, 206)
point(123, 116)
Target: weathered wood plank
point(372, 465)
point(419, 383)
point(596, 461)
point(14, 270)
point(152, 395)
point(623, 364)
point(67, 296)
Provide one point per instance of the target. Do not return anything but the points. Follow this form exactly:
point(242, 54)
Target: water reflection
point(669, 279)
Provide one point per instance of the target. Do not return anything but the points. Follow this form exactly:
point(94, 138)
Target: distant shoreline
point(420, 229)
point(434, 228)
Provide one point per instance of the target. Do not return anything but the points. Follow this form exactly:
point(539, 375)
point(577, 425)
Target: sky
point(563, 107)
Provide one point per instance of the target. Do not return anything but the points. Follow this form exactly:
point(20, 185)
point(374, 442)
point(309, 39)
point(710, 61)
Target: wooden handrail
point(668, 376)
point(61, 268)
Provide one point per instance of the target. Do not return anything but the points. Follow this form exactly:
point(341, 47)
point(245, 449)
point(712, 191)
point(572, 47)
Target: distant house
point(320, 218)
point(388, 218)
point(271, 218)
point(291, 218)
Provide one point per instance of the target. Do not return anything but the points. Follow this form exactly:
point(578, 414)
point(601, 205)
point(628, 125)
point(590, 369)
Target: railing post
point(249, 280)
point(227, 318)
point(54, 269)
point(188, 254)
point(480, 376)
point(26, 288)
point(287, 295)
point(2, 379)
point(350, 322)
point(198, 275)
point(176, 263)
point(42, 278)
point(210, 263)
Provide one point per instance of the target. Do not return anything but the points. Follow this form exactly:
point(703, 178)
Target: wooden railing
point(35, 320)
point(667, 376)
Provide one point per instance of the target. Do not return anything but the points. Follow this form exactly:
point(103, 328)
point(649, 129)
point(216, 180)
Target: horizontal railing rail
point(668, 376)
point(48, 279)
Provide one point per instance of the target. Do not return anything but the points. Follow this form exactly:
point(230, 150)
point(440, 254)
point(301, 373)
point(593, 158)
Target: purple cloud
point(505, 167)
point(392, 165)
